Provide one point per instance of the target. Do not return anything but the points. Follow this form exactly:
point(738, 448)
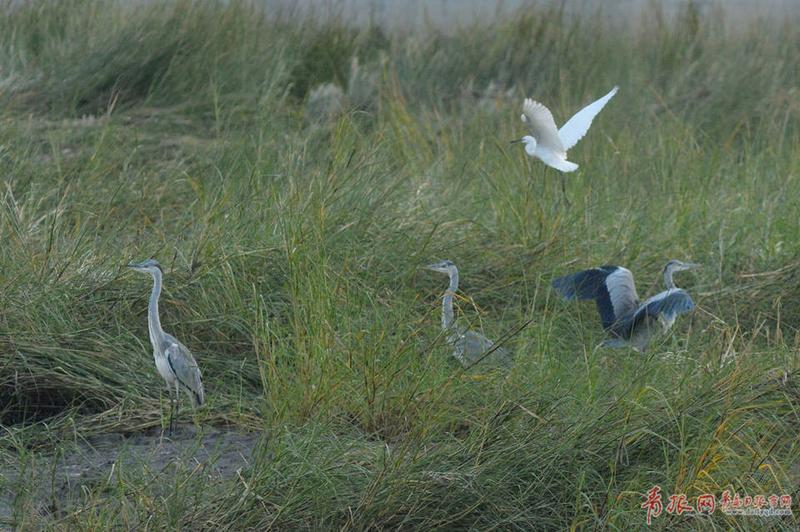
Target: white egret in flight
point(550, 144)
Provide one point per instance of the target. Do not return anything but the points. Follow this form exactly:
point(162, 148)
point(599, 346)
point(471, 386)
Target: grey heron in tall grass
point(627, 320)
point(174, 361)
point(469, 347)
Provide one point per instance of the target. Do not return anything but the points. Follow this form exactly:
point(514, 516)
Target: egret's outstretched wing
point(559, 162)
point(185, 368)
point(612, 288)
point(577, 126)
point(542, 126)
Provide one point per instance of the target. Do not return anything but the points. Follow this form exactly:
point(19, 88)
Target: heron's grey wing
point(458, 341)
point(476, 345)
point(622, 291)
point(186, 370)
point(612, 288)
point(669, 304)
point(664, 307)
point(581, 285)
point(542, 126)
point(501, 357)
point(577, 126)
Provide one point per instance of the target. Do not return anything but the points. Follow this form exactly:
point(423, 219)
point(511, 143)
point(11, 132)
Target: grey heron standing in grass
point(550, 144)
point(627, 320)
point(468, 346)
point(174, 361)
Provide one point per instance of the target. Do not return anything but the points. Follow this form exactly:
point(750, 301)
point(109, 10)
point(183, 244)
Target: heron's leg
point(172, 408)
point(177, 398)
point(161, 413)
point(171, 412)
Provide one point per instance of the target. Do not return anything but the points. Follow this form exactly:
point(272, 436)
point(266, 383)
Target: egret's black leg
point(564, 189)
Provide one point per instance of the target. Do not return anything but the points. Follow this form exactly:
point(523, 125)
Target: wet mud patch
point(59, 481)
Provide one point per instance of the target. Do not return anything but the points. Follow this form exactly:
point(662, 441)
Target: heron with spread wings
point(627, 320)
point(174, 361)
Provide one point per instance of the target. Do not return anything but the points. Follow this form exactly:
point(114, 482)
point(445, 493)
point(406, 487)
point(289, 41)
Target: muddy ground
point(58, 479)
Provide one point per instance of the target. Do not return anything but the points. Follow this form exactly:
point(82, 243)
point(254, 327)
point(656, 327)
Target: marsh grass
point(292, 252)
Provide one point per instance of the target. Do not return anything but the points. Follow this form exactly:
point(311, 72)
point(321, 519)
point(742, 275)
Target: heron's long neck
point(448, 316)
point(153, 321)
point(668, 279)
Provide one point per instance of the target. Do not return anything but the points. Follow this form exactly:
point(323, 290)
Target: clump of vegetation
point(329, 101)
point(292, 253)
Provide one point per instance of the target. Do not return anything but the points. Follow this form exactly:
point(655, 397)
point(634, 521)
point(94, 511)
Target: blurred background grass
point(293, 177)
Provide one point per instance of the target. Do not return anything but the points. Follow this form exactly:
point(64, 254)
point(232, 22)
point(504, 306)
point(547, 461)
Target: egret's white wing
point(557, 161)
point(543, 127)
point(577, 126)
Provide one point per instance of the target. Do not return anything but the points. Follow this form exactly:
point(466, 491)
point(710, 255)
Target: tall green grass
point(292, 246)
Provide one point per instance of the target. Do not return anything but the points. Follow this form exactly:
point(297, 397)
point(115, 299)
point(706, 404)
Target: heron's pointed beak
point(693, 266)
point(517, 141)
